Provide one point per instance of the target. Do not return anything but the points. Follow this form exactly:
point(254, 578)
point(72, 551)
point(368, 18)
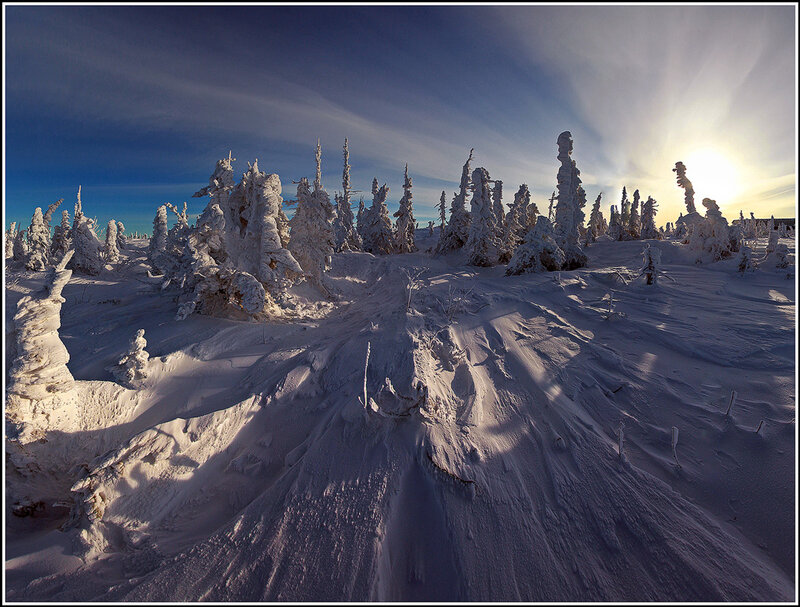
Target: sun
point(713, 175)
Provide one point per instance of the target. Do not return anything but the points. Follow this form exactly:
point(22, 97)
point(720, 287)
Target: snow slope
point(485, 465)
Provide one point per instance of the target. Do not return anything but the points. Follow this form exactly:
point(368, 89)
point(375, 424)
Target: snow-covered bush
point(745, 260)
point(782, 256)
point(131, 369)
point(652, 260)
point(38, 243)
point(404, 227)
point(538, 252)
point(649, 210)
point(483, 246)
point(346, 237)
point(772, 242)
point(378, 236)
point(456, 232)
point(568, 213)
point(110, 250)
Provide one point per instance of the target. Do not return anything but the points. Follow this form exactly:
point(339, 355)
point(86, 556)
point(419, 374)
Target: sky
point(137, 103)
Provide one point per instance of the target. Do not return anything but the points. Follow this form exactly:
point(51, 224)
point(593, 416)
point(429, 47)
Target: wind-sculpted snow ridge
point(482, 465)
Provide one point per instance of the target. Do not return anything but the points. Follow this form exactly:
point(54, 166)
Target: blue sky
point(137, 103)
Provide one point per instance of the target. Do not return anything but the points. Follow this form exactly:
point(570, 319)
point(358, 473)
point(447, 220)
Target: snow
point(484, 465)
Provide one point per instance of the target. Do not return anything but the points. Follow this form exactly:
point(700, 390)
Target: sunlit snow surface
point(486, 465)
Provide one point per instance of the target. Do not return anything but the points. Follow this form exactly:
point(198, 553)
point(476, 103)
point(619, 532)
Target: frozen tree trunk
point(483, 247)
point(404, 227)
point(360, 219)
point(131, 369)
point(40, 384)
point(457, 231)
point(111, 251)
point(550, 209)
point(430, 228)
point(38, 243)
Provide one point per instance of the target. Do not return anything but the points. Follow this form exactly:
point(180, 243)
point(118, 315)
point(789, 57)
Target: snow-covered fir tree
point(442, 208)
point(311, 242)
point(782, 256)
point(158, 241)
point(38, 243)
point(360, 219)
point(19, 254)
point(615, 230)
point(550, 215)
point(514, 230)
point(625, 210)
point(122, 241)
point(378, 236)
point(772, 241)
point(87, 258)
point(744, 262)
point(539, 251)
point(131, 369)
point(568, 213)
point(635, 224)
point(652, 260)
point(345, 235)
point(595, 220)
point(11, 233)
point(497, 205)
point(457, 231)
point(483, 246)
point(404, 227)
point(649, 210)
point(683, 182)
point(110, 250)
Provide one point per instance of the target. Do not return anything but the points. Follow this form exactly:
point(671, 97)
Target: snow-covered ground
point(485, 467)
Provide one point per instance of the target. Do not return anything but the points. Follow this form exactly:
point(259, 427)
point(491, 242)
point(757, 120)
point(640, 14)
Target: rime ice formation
point(345, 235)
point(110, 250)
point(483, 246)
point(38, 243)
point(456, 233)
point(131, 369)
point(782, 260)
point(378, 236)
point(649, 210)
point(40, 384)
point(539, 252)
point(404, 226)
point(568, 214)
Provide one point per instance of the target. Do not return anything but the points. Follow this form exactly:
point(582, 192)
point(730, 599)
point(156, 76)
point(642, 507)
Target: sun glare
point(712, 175)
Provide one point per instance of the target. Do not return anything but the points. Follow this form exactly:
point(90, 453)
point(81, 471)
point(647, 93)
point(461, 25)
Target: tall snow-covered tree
point(635, 224)
point(615, 230)
point(625, 210)
point(745, 260)
point(457, 231)
point(430, 228)
point(360, 219)
point(87, 258)
point(38, 243)
point(158, 241)
point(345, 235)
point(404, 227)
point(442, 208)
point(568, 213)
point(649, 210)
point(11, 233)
point(483, 246)
point(20, 248)
point(550, 215)
point(311, 241)
point(497, 205)
point(595, 220)
point(122, 241)
point(515, 229)
point(378, 236)
point(683, 182)
point(110, 250)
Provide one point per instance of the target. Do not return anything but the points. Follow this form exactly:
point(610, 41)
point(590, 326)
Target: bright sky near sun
point(137, 103)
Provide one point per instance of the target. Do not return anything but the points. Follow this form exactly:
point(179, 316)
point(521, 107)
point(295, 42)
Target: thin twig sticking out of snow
point(731, 403)
point(674, 445)
point(366, 363)
point(759, 426)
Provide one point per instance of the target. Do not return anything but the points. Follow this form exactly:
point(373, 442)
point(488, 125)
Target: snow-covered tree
point(745, 260)
point(456, 233)
point(497, 205)
point(360, 218)
point(88, 248)
point(550, 215)
point(442, 208)
point(711, 237)
point(122, 242)
point(568, 213)
point(311, 242)
point(652, 261)
point(649, 210)
point(782, 256)
point(595, 220)
point(772, 241)
point(20, 248)
point(615, 230)
point(635, 224)
point(483, 246)
point(404, 227)
point(38, 243)
point(683, 182)
point(378, 236)
point(625, 210)
point(430, 228)
point(345, 235)
point(110, 250)
point(515, 230)
point(11, 233)
point(131, 369)
point(158, 242)
point(538, 252)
